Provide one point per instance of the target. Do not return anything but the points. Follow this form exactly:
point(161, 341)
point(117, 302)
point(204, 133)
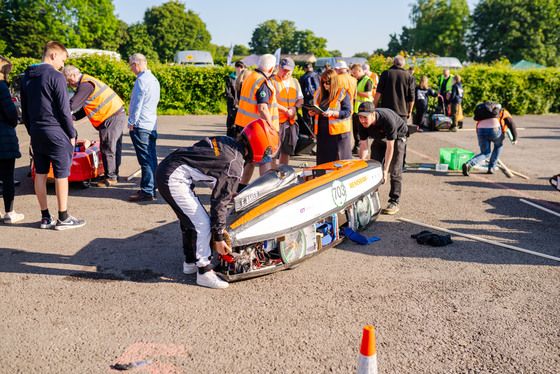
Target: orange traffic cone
point(367, 361)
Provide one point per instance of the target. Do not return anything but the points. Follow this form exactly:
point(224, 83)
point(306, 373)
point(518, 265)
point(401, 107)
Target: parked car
point(194, 58)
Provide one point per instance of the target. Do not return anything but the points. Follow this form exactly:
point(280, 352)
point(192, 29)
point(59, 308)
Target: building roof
point(526, 65)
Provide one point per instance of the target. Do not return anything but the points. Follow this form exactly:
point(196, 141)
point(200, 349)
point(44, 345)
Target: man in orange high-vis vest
point(290, 99)
point(346, 80)
point(258, 100)
point(105, 110)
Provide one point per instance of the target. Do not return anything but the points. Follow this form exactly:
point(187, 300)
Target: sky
point(348, 28)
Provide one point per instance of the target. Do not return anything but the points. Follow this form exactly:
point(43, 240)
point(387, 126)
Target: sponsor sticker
point(358, 181)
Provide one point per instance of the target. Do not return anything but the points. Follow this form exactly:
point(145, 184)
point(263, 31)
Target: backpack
point(487, 110)
point(309, 85)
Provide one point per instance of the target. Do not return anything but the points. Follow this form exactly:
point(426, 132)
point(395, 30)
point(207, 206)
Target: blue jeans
point(144, 142)
point(485, 139)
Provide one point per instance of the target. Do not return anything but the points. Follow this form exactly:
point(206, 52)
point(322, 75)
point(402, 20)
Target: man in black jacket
point(309, 83)
point(232, 98)
point(46, 114)
point(217, 161)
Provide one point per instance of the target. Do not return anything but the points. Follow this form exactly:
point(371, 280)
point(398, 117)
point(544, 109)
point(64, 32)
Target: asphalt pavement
point(79, 301)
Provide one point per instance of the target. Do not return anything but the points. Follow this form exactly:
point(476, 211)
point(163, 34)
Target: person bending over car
point(219, 162)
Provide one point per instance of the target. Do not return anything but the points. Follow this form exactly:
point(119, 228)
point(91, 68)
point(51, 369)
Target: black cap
point(366, 108)
point(308, 65)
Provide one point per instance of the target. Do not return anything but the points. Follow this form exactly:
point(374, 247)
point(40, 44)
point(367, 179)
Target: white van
point(80, 52)
point(194, 58)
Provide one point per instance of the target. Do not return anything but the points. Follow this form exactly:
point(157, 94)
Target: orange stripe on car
point(347, 168)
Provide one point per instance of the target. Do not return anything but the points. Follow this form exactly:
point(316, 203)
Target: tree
point(173, 29)
point(362, 54)
point(28, 24)
point(138, 42)
point(272, 34)
point(307, 43)
point(241, 50)
point(438, 26)
point(516, 29)
point(91, 24)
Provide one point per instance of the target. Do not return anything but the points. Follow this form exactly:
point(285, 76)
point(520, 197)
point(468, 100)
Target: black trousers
point(7, 167)
point(110, 136)
point(378, 148)
point(420, 116)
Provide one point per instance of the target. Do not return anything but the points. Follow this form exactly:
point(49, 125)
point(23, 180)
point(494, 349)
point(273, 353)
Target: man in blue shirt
point(142, 124)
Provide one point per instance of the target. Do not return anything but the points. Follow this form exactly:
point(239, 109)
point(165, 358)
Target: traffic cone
point(367, 360)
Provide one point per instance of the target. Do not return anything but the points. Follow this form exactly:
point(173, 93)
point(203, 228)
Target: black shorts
point(52, 147)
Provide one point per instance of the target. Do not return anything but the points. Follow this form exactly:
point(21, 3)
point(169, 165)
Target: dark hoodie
point(44, 102)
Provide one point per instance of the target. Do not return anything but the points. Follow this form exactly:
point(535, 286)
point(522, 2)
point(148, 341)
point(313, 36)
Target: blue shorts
point(52, 147)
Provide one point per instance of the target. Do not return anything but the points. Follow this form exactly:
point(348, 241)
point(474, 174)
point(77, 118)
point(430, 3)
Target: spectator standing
point(258, 100)
point(232, 98)
point(456, 98)
point(422, 95)
point(309, 83)
point(411, 72)
point(332, 126)
point(364, 93)
point(105, 110)
point(445, 84)
point(290, 99)
point(396, 89)
point(373, 76)
point(9, 147)
point(491, 131)
point(346, 81)
point(388, 131)
point(46, 114)
point(142, 124)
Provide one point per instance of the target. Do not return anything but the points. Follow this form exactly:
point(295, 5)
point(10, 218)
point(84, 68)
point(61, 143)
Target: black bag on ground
point(487, 110)
point(306, 139)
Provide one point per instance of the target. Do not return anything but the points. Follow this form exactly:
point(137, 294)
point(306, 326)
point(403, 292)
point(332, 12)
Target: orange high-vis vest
point(336, 125)
point(350, 83)
point(248, 110)
point(375, 78)
point(505, 114)
point(102, 103)
point(286, 96)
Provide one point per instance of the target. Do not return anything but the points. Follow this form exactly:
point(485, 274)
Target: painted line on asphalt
point(522, 194)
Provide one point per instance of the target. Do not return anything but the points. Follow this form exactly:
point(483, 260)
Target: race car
point(86, 163)
point(285, 217)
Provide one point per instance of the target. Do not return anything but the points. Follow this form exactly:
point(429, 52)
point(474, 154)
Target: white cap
point(341, 65)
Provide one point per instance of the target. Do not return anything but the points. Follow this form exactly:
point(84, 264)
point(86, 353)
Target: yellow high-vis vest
point(361, 88)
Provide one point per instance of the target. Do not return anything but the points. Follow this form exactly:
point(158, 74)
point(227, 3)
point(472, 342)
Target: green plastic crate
point(454, 157)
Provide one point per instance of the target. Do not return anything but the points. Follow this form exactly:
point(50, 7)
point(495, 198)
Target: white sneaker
point(211, 280)
point(189, 268)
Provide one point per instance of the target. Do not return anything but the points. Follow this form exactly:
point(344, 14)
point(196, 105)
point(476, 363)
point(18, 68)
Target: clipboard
point(314, 107)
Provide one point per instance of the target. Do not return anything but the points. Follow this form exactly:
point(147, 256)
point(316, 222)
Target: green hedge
point(190, 90)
